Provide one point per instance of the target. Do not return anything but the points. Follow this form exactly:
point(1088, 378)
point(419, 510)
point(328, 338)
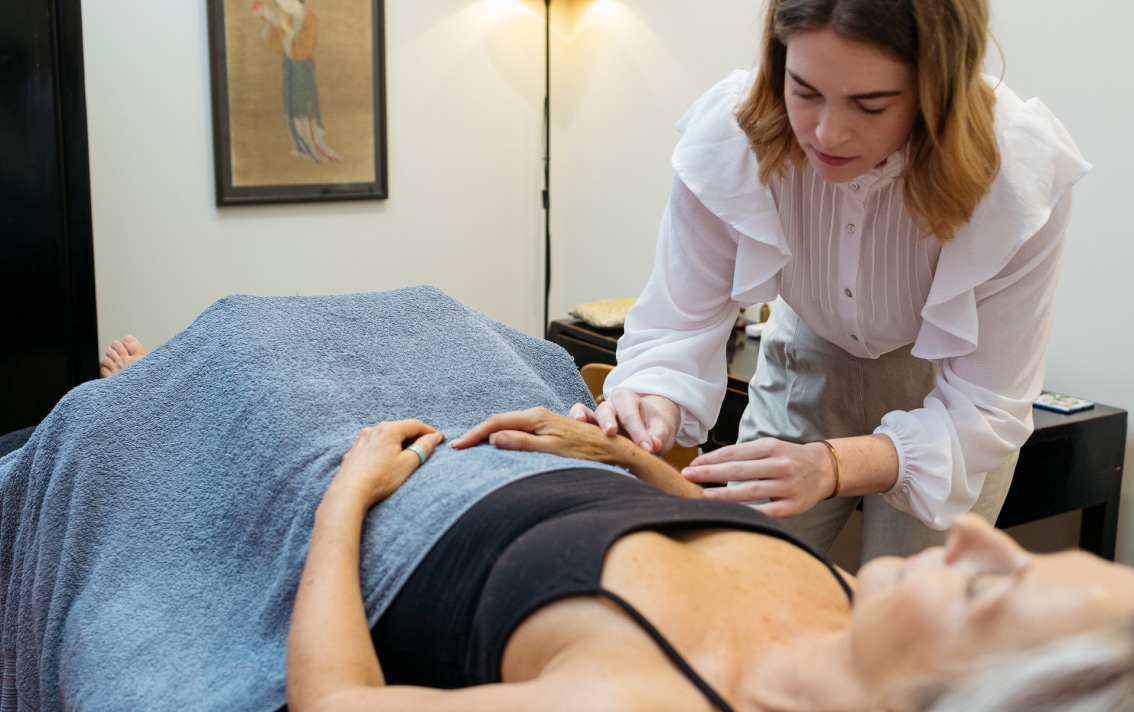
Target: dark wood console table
point(1071, 462)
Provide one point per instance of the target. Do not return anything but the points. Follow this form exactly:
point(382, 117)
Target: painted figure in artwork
point(289, 29)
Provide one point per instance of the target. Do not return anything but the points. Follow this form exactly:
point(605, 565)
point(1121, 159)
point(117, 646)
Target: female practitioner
point(584, 589)
point(909, 214)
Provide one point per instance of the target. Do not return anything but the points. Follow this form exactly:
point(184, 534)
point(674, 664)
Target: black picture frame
point(245, 192)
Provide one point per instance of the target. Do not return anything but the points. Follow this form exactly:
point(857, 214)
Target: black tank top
point(528, 544)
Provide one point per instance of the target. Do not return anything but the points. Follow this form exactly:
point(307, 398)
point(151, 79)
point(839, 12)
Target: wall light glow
point(614, 30)
point(494, 12)
point(607, 15)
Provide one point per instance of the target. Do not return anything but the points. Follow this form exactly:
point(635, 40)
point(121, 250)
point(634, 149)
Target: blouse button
point(854, 185)
point(853, 337)
point(850, 229)
point(848, 293)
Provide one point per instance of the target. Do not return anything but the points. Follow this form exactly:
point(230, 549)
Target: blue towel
point(153, 529)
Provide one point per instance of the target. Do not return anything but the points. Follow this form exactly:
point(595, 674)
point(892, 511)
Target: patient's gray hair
point(1092, 672)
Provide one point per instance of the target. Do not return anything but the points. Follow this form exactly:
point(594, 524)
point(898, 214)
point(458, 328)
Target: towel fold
point(153, 529)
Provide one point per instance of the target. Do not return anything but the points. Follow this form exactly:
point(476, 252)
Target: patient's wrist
point(342, 501)
point(626, 454)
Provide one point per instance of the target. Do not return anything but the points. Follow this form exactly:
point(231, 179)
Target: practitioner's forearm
point(329, 645)
point(869, 464)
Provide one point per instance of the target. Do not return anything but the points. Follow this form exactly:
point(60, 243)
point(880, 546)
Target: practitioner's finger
point(625, 409)
point(659, 431)
point(747, 451)
point(751, 491)
point(752, 460)
point(607, 417)
point(781, 508)
point(583, 414)
point(514, 420)
point(729, 472)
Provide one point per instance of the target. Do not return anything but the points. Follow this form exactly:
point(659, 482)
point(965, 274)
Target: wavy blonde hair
point(951, 155)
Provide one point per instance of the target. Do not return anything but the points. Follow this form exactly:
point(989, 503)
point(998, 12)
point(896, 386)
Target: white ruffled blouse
point(847, 258)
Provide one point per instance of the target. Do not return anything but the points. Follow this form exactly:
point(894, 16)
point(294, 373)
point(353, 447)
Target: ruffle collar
point(1039, 163)
point(715, 163)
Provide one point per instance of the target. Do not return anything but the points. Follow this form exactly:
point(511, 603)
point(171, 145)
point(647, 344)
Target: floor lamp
point(546, 163)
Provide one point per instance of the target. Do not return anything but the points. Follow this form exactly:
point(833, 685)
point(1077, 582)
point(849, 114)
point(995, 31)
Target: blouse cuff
point(931, 482)
point(690, 432)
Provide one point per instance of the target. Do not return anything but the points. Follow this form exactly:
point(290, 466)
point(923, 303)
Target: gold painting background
point(344, 75)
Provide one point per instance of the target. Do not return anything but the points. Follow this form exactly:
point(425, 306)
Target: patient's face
point(946, 608)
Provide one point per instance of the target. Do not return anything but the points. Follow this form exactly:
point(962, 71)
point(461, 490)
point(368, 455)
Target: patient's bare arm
point(331, 664)
point(540, 430)
point(329, 648)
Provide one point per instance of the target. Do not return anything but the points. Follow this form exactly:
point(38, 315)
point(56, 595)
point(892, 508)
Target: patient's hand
point(540, 430)
point(381, 460)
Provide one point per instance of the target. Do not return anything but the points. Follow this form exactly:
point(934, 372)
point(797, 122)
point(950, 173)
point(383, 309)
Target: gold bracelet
point(838, 469)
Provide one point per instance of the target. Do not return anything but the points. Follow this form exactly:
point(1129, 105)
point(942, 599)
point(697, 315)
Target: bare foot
point(120, 355)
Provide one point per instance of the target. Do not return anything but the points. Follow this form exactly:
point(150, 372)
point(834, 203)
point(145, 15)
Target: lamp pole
point(546, 163)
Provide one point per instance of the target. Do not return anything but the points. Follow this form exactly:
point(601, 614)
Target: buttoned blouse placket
point(854, 194)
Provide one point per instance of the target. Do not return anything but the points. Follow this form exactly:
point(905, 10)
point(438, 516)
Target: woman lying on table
point(584, 589)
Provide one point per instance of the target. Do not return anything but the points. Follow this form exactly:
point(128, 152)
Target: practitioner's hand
point(540, 430)
point(649, 420)
point(794, 477)
point(380, 459)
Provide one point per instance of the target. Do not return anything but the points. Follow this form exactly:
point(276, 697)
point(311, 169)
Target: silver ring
point(420, 452)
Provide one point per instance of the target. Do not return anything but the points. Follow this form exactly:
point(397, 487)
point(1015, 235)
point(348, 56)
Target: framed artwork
point(298, 93)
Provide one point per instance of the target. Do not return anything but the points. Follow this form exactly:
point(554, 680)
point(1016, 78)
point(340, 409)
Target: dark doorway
point(48, 330)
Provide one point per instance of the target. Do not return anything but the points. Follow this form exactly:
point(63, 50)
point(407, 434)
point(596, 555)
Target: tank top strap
point(670, 652)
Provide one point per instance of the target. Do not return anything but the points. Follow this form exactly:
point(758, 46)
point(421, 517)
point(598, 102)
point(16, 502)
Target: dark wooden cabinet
point(1071, 462)
point(48, 332)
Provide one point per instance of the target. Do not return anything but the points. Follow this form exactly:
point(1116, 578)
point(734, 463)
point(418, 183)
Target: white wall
point(632, 68)
point(640, 63)
point(465, 90)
